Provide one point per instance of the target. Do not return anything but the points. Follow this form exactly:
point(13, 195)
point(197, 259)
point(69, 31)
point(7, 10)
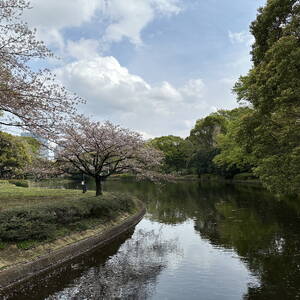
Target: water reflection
point(263, 230)
point(130, 274)
point(238, 242)
point(56, 280)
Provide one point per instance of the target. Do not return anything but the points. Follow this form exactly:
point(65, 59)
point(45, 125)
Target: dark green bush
point(19, 182)
point(43, 222)
point(244, 176)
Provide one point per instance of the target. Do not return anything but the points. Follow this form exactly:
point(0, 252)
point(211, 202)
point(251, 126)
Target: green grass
point(25, 245)
point(3, 245)
point(28, 215)
point(12, 196)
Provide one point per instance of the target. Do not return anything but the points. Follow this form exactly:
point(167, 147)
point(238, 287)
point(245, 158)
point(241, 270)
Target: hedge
point(43, 221)
point(19, 182)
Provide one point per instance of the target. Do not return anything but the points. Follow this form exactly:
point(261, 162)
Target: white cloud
point(113, 93)
point(213, 109)
point(111, 90)
point(146, 135)
point(128, 18)
point(62, 13)
point(193, 89)
point(82, 49)
point(242, 37)
point(168, 7)
point(50, 16)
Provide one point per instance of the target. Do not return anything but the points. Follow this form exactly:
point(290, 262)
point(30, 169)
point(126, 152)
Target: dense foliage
point(231, 154)
point(16, 153)
point(204, 140)
point(176, 152)
point(212, 147)
point(271, 132)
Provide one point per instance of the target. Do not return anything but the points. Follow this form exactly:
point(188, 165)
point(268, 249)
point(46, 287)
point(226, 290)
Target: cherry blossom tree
point(28, 98)
point(102, 149)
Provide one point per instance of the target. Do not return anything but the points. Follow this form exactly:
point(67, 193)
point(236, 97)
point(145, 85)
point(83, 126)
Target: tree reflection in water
point(262, 230)
point(130, 274)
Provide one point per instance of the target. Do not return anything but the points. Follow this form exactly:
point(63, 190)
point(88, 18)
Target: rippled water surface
point(197, 241)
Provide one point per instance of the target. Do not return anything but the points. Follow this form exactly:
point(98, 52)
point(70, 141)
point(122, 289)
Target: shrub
point(44, 221)
point(19, 182)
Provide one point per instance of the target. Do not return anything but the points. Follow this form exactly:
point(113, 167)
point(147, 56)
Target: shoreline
point(20, 273)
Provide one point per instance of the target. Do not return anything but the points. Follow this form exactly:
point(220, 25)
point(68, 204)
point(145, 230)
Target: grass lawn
point(34, 221)
point(29, 216)
point(12, 196)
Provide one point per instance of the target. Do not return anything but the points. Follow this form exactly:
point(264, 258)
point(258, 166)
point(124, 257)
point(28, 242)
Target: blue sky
point(155, 66)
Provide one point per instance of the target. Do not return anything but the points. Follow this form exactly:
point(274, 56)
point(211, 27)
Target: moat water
point(197, 241)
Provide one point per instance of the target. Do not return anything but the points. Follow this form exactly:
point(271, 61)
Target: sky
point(154, 66)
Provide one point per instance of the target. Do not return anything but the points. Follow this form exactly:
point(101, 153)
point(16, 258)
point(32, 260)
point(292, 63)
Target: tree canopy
point(28, 98)
point(231, 154)
point(204, 138)
point(102, 149)
point(176, 152)
point(272, 87)
point(15, 155)
point(206, 130)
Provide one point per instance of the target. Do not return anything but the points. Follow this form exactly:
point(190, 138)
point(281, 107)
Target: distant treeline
point(211, 148)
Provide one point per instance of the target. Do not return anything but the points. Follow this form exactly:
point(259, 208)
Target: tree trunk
point(98, 186)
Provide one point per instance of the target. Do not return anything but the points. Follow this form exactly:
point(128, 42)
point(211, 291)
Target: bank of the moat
point(41, 229)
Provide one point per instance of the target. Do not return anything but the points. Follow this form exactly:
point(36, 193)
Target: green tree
point(176, 152)
point(206, 130)
point(204, 137)
point(276, 19)
point(232, 155)
point(32, 144)
point(272, 87)
point(14, 155)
